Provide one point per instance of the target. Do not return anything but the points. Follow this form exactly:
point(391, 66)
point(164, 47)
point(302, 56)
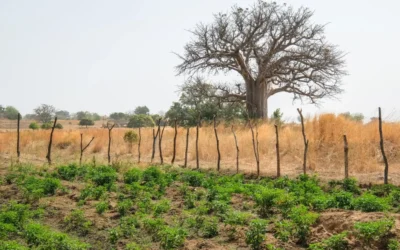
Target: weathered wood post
point(305, 142)
point(187, 147)
point(48, 156)
point(216, 138)
point(197, 144)
point(84, 148)
point(159, 143)
point(18, 136)
point(155, 135)
point(386, 171)
point(109, 142)
point(255, 146)
point(237, 150)
point(278, 158)
point(174, 143)
point(346, 157)
point(140, 139)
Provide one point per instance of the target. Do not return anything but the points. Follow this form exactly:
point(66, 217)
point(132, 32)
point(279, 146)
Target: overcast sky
point(106, 56)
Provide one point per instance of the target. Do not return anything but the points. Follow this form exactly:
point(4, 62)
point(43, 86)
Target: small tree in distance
point(130, 137)
point(45, 113)
point(86, 122)
point(139, 121)
point(142, 110)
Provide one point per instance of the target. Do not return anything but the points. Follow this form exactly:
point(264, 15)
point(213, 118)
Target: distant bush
point(34, 126)
point(137, 121)
point(59, 126)
point(86, 122)
point(46, 125)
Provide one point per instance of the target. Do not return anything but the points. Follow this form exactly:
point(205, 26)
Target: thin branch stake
point(84, 148)
point(187, 146)
point(278, 159)
point(159, 144)
point(109, 142)
point(216, 138)
point(346, 157)
point(386, 171)
point(237, 150)
point(48, 156)
point(174, 144)
point(305, 142)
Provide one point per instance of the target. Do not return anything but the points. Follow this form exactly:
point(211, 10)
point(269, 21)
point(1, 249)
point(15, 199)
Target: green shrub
point(132, 246)
point(265, 200)
point(255, 235)
point(370, 203)
point(209, 227)
point(86, 122)
point(47, 125)
point(124, 206)
point(50, 185)
point(34, 126)
point(68, 172)
point(11, 245)
point(335, 242)
point(373, 231)
point(35, 188)
point(284, 230)
point(193, 178)
point(114, 234)
point(393, 245)
point(103, 176)
point(76, 222)
point(341, 199)
point(132, 175)
point(383, 190)
point(40, 237)
point(140, 120)
point(153, 226)
point(162, 207)
point(303, 219)
point(234, 217)
point(152, 175)
point(101, 207)
point(59, 126)
point(172, 237)
point(129, 225)
point(350, 185)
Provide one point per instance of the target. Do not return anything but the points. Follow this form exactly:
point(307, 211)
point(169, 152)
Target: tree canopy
point(45, 113)
point(9, 112)
point(142, 110)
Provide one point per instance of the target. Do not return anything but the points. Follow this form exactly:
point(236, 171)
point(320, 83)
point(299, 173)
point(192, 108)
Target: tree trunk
point(256, 100)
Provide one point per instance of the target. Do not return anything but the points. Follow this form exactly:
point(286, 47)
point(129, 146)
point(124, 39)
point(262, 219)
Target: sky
point(111, 56)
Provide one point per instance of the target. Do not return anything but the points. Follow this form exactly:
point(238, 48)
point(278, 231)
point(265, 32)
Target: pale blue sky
point(106, 56)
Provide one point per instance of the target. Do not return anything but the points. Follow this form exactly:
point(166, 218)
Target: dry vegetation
point(324, 132)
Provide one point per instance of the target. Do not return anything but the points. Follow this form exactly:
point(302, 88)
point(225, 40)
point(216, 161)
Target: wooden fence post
point(187, 146)
point(155, 135)
point(386, 171)
point(109, 142)
point(278, 159)
point(48, 156)
point(216, 138)
point(197, 144)
point(84, 148)
point(140, 139)
point(237, 150)
point(255, 147)
point(159, 143)
point(174, 144)
point(305, 142)
point(18, 136)
point(346, 157)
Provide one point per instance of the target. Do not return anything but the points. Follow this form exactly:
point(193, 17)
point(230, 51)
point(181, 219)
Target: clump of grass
point(76, 222)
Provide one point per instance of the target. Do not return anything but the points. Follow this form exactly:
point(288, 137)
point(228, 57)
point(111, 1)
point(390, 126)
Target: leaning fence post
point(174, 144)
point(216, 138)
point(84, 148)
point(187, 146)
point(237, 150)
point(18, 135)
point(305, 142)
point(109, 142)
point(155, 139)
point(278, 159)
point(386, 173)
point(159, 143)
point(346, 157)
point(255, 147)
point(48, 156)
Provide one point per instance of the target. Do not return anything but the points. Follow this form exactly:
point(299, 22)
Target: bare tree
point(48, 156)
point(109, 127)
point(274, 48)
point(84, 148)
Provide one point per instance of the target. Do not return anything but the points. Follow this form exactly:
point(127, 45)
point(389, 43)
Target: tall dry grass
point(325, 134)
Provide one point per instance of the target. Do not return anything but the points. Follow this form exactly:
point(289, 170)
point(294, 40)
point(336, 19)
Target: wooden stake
point(305, 142)
point(216, 138)
point(278, 159)
point(140, 139)
point(109, 142)
point(346, 157)
point(386, 171)
point(48, 156)
point(159, 144)
point(197, 144)
point(187, 146)
point(155, 135)
point(18, 136)
point(255, 147)
point(174, 144)
point(84, 148)
point(237, 150)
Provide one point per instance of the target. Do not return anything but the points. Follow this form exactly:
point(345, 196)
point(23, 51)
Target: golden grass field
point(325, 134)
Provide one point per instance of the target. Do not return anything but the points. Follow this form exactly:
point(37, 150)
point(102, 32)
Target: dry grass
point(325, 134)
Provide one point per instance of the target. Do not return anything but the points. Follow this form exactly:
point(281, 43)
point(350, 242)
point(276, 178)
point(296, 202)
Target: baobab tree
point(274, 48)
